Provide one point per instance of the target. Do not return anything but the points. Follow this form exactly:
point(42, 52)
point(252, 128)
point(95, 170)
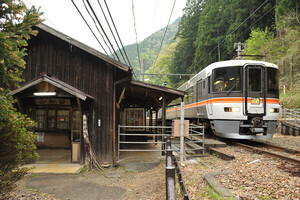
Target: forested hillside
point(149, 48)
point(209, 28)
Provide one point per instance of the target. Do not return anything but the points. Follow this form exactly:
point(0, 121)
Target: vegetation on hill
point(281, 48)
point(149, 47)
point(209, 28)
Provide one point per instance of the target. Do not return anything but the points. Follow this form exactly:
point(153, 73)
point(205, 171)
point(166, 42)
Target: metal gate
point(152, 135)
point(155, 135)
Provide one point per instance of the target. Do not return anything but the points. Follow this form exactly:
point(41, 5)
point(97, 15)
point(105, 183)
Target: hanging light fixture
point(44, 93)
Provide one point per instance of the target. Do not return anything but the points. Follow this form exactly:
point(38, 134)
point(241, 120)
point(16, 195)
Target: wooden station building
point(66, 80)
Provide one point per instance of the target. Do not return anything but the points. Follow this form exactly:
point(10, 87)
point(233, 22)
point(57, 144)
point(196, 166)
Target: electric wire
point(111, 31)
point(234, 30)
point(103, 38)
point(254, 22)
point(165, 32)
point(89, 27)
point(257, 20)
point(136, 38)
point(117, 33)
point(91, 8)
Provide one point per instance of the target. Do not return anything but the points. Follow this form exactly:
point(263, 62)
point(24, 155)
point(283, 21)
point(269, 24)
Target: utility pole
point(143, 70)
point(239, 50)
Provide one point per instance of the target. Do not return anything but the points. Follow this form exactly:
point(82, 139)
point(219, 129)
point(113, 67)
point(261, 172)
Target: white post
point(181, 131)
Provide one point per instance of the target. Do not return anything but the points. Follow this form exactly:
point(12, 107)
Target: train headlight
point(231, 109)
point(274, 110)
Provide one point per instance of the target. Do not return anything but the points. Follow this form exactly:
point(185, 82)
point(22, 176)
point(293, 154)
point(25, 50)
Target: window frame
point(212, 89)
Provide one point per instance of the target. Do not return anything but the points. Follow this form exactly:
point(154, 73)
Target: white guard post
point(181, 131)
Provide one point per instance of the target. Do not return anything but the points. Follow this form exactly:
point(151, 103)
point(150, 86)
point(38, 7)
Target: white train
point(238, 99)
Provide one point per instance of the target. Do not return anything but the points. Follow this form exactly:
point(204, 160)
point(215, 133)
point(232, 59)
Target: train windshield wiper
point(232, 87)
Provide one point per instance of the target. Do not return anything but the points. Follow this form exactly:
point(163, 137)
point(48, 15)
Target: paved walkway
point(54, 161)
point(90, 185)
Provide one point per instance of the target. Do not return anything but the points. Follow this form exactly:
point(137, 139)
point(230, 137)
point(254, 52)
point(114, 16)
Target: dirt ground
point(253, 177)
point(137, 185)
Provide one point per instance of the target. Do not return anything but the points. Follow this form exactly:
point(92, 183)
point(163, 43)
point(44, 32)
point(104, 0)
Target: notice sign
point(41, 136)
point(52, 101)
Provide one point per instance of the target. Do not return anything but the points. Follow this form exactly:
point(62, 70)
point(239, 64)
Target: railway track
point(290, 158)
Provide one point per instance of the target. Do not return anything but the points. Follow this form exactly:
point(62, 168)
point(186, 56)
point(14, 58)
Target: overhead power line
point(257, 20)
point(234, 30)
point(253, 25)
point(98, 21)
point(162, 41)
point(136, 38)
point(89, 28)
point(95, 19)
point(112, 33)
point(117, 33)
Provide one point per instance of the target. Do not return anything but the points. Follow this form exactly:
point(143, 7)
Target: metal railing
point(197, 136)
point(158, 132)
point(290, 114)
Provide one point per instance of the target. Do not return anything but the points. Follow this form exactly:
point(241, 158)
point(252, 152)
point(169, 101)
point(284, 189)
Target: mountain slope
point(149, 48)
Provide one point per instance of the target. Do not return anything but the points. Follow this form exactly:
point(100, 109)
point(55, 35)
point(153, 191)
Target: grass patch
point(83, 170)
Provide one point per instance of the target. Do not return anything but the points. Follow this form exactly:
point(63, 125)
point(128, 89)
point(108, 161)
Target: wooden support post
point(156, 123)
point(150, 122)
point(163, 121)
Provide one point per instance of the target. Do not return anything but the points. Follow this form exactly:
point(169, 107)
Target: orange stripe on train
point(223, 100)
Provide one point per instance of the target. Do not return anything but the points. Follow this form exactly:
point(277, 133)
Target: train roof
point(230, 63)
point(227, 63)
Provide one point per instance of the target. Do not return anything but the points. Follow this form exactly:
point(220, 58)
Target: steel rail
point(284, 149)
point(275, 155)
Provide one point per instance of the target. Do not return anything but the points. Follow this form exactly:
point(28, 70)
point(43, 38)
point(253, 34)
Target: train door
point(209, 101)
point(199, 98)
point(255, 102)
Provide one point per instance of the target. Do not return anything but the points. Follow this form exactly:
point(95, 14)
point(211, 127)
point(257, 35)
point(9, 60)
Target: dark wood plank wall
point(83, 71)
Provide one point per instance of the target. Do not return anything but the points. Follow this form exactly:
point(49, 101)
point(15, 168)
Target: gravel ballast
point(253, 176)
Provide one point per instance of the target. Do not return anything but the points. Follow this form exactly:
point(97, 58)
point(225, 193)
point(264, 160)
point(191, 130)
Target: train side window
point(208, 87)
point(190, 94)
point(203, 84)
point(199, 90)
point(185, 98)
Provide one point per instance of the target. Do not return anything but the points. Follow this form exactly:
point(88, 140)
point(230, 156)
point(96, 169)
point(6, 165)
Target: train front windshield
point(227, 79)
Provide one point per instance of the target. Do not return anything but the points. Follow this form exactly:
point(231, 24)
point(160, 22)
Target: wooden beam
point(121, 97)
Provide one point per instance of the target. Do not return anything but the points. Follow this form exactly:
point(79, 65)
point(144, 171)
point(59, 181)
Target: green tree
point(285, 7)
point(187, 33)
point(16, 141)
point(225, 22)
point(162, 66)
point(259, 42)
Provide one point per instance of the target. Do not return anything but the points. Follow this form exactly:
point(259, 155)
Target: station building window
point(52, 118)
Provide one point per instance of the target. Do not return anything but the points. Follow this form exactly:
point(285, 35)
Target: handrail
point(291, 114)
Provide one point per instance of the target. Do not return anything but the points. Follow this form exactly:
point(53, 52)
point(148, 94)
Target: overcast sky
point(150, 15)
